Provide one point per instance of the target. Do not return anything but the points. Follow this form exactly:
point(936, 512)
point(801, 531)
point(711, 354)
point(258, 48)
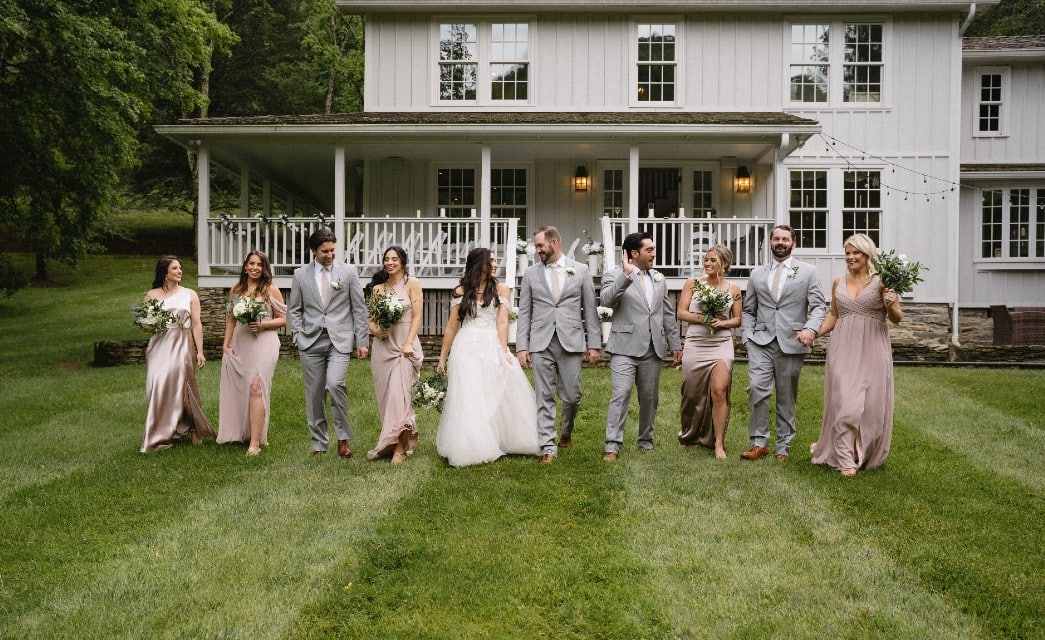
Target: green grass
point(99, 541)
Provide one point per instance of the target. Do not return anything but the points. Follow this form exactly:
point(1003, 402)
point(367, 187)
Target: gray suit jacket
point(344, 316)
point(801, 306)
point(635, 324)
point(574, 317)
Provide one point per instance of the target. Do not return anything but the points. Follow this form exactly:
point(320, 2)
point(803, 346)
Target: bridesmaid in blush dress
point(250, 353)
point(396, 359)
point(171, 396)
point(707, 356)
point(858, 377)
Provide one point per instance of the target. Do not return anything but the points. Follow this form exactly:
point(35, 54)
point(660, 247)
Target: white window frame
point(836, 204)
point(1035, 228)
point(1004, 103)
point(633, 73)
point(484, 61)
point(527, 209)
point(836, 62)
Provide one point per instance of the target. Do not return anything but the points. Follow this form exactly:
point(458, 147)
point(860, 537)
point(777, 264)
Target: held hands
point(523, 357)
point(676, 357)
point(592, 355)
point(362, 353)
point(806, 337)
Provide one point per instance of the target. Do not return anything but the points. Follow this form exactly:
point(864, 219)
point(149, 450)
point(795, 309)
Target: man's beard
point(781, 248)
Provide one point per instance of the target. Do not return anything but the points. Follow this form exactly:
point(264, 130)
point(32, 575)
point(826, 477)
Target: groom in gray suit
point(783, 309)
point(328, 316)
point(558, 325)
point(643, 329)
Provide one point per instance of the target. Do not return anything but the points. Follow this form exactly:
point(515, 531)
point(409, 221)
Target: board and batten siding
point(1025, 142)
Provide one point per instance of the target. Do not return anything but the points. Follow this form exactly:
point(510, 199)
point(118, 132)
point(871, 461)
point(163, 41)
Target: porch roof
point(1002, 171)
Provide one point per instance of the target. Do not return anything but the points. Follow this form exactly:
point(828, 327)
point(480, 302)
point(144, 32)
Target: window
point(1012, 223)
point(508, 196)
point(702, 193)
point(656, 63)
point(455, 191)
point(862, 204)
point(836, 71)
point(613, 192)
point(808, 212)
point(498, 51)
point(991, 96)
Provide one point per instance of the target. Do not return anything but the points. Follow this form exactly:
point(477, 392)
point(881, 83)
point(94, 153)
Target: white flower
point(570, 271)
point(521, 246)
point(335, 285)
point(657, 276)
point(605, 313)
point(592, 248)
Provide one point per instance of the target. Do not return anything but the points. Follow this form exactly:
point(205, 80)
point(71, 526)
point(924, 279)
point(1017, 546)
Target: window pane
point(991, 224)
point(862, 71)
point(656, 62)
point(808, 211)
point(810, 63)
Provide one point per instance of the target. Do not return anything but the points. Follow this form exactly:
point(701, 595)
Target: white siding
point(1026, 125)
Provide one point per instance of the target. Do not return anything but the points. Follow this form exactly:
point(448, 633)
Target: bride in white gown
point(489, 409)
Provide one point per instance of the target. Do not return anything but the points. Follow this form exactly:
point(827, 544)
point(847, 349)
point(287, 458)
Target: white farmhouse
point(701, 121)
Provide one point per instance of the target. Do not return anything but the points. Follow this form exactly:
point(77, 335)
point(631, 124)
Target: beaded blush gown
point(172, 397)
point(490, 408)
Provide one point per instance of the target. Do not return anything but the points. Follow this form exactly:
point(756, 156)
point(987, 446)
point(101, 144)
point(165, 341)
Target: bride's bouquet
point(897, 272)
point(429, 392)
point(385, 309)
point(249, 309)
point(712, 302)
point(152, 317)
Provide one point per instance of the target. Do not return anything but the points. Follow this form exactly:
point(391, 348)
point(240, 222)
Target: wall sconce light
point(580, 179)
point(743, 180)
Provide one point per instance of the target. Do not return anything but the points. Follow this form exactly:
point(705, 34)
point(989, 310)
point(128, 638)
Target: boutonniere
point(794, 272)
point(570, 271)
point(336, 285)
point(657, 277)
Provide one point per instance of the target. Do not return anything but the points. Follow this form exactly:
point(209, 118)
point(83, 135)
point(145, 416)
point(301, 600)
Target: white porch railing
point(681, 242)
point(436, 247)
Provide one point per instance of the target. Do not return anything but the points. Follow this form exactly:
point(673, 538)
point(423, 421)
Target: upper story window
point(992, 93)
point(834, 63)
point(656, 62)
point(499, 51)
point(1012, 223)
point(821, 219)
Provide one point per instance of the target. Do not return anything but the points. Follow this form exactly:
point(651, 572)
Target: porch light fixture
point(580, 179)
point(743, 180)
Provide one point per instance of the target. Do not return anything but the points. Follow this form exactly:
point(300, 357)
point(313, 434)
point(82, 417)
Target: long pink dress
point(171, 396)
point(701, 353)
point(394, 378)
point(252, 357)
point(858, 384)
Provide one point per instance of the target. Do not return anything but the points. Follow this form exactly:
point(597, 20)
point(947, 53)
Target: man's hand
point(625, 263)
point(524, 358)
point(362, 353)
point(593, 355)
point(806, 337)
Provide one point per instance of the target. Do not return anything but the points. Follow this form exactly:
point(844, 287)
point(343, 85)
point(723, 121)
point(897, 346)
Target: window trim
point(836, 63)
point(484, 61)
point(1006, 102)
point(986, 263)
point(633, 60)
point(836, 204)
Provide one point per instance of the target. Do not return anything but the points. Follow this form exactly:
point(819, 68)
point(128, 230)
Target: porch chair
point(701, 240)
point(430, 260)
point(747, 251)
point(573, 248)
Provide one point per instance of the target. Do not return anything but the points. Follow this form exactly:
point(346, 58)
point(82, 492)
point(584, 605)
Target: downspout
point(968, 19)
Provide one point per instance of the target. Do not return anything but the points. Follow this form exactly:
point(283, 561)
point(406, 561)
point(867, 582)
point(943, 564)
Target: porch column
point(203, 211)
point(339, 199)
point(244, 191)
point(484, 200)
point(780, 181)
point(633, 189)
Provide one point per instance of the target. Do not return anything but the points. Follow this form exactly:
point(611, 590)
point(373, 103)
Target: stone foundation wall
point(923, 336)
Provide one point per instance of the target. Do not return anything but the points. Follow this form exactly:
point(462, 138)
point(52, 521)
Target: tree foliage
point(77, 79)
point(1010, 18)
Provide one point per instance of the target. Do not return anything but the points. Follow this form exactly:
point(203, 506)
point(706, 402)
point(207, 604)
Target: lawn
point(99, 541)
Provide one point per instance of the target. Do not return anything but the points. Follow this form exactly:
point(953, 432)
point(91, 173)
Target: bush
point(12, 279)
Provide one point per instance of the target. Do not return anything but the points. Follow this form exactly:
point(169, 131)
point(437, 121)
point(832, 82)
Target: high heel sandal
point(253, 451)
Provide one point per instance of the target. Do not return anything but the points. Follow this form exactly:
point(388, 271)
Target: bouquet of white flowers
point(152, 317)
point(429, 392)
point(605, 314)
point(712, 302)
point(385, 309)
point(249, 309)
point(592, 247)
point(522, 247)
point(897, 272)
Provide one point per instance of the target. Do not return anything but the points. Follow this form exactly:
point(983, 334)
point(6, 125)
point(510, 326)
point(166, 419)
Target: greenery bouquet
point(152, 317)
point(386, 309)
point(712, 302)
point(429, 392)
point(897, 272)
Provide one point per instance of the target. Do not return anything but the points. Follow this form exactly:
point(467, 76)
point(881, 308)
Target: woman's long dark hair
point(475, 268)
point(263, 282)
point(161, 271)
point(381, 276)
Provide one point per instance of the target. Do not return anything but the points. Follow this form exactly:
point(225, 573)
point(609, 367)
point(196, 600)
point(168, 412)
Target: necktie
point(556, 287)
point(776, 280)
point(324, 285)
point(643, 285)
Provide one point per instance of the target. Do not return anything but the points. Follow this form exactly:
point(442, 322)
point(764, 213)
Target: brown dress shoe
point(566, 442)
point(609, 456)
point(782, 457)
point(548, 458)
point(754, 453)
point(343, 450)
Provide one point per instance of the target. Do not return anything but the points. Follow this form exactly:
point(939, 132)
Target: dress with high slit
point(394, 378)
point(172, 397)
point(490, 408)
point(253, 357)
point(701, 353)
point(858, 384)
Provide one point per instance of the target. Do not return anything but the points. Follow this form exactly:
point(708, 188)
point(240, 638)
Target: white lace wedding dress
point(490, 408)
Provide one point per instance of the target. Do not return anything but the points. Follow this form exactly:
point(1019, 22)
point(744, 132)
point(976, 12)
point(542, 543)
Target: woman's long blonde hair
point(865, 245)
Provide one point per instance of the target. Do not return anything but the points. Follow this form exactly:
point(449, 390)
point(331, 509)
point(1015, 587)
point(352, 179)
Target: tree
point(77, 78)
point(333, 48)
point(1010, 18)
